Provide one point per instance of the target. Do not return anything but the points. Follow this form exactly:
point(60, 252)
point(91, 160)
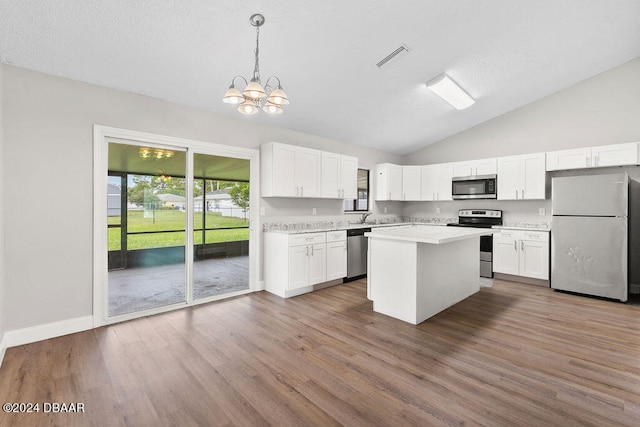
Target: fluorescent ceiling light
point(448, 90)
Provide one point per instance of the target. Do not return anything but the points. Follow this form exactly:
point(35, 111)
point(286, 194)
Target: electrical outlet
point(437, 210)
point(385, 209)
point(541, 211)
point(314, 211)
point(263, 211)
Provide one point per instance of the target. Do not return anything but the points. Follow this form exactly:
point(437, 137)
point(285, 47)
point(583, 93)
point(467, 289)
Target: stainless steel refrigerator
point(589, 235)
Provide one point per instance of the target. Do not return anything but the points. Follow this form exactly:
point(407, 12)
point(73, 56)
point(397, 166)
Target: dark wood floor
point(510, 355)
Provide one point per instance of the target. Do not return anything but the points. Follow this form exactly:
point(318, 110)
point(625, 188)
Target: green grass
point(174, 220)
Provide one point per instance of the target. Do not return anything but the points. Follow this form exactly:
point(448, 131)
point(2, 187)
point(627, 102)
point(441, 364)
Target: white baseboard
point(44, 332)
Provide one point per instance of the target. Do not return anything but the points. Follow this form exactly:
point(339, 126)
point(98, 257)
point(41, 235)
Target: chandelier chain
point(256, 69)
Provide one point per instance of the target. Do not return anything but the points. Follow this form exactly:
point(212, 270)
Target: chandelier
point(251, 99)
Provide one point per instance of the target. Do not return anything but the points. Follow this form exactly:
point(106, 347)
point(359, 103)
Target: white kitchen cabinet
point(339, 176)
point(475, 167)
point(436, 181)
point(521, 177)
point(289, 171)
point(411, 183)
point(521, 253)
point(336, 255)
point(349, 177)
point(592, 157)
point(615, 155)
point(293, 263)
point(388, 182)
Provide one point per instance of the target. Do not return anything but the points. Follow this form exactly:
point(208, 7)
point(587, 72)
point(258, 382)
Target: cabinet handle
point(307, 250)
point(302, 191)
point(389, 196)
point(404, 196)
point(515, 245)
point(311, 250)
point(522, 245)
point(516, 194)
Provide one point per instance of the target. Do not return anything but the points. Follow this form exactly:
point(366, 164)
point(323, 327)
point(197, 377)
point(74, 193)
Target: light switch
point(541, 211)
point(263, 211)
point(437, 210)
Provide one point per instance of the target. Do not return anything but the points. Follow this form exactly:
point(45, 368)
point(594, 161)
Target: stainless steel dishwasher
point(357, 253)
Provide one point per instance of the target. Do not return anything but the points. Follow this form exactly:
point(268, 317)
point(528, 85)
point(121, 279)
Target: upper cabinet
point(411, 183)
point(475, 167)
point(521, 177)
point(339, 175)
point(388, 182)
point(292, 171)
point(592, 157)
point(436, 181)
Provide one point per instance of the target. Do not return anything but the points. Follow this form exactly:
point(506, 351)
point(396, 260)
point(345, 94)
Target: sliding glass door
point(177, 227)
point(146, 228)
point(221, 225)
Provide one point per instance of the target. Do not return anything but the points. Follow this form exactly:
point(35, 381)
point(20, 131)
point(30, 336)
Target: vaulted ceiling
point(505, 53)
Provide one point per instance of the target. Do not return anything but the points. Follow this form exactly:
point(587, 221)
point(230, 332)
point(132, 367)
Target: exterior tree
point(240, 195)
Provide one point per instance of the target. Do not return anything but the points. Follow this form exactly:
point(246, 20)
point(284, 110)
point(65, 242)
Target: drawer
point(541, 236)
point(336, 236)
point(306, 239)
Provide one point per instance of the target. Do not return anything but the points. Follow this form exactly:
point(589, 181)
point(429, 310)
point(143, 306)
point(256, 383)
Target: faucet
point(364, 217)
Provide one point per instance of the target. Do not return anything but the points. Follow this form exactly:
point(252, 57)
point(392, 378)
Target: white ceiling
point(505, 53)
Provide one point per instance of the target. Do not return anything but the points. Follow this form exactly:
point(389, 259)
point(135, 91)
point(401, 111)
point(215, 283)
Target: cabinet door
point(336, 260)
point(284, 184)
point(445, 173)
point(317, 263)
point(534, 259)
point(510, 185)
point(533, 176)
point(485, 167)
point(569, 159)
point(388, 182)
point(615, 155)
point(330, 176)
point(307, 172)
point(463, 169)
point(411, 183)
point(505, 254)
point(429, 182)
point(298, 266)
point(395, 182)
point(349, 177)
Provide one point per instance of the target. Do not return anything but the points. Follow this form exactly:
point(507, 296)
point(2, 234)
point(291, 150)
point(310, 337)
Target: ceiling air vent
point(396, 54)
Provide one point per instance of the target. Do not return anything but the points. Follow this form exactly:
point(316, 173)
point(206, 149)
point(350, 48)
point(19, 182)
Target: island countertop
point(431, 234)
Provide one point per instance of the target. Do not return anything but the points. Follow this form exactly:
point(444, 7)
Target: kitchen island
point(414, 272)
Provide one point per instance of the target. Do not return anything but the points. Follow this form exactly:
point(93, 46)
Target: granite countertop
point(306, 228)
point(525, 227)
point(432, 234)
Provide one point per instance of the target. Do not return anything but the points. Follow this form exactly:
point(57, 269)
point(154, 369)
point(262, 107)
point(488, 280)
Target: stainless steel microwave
point(473, 187)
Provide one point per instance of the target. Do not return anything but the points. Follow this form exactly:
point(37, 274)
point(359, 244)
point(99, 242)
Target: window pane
point(362, 202)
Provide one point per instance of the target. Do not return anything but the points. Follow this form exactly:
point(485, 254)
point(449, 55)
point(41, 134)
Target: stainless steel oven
point(481, 218)
point(473, 187)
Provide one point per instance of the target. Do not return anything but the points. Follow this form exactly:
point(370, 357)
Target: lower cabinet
point(336, 255)
point(521, 253)
point(293, 263)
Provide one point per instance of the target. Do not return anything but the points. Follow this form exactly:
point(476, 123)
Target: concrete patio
point(143, 288)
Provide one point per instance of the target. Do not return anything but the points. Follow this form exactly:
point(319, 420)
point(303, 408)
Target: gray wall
point(48, 188)
point(2, 207)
